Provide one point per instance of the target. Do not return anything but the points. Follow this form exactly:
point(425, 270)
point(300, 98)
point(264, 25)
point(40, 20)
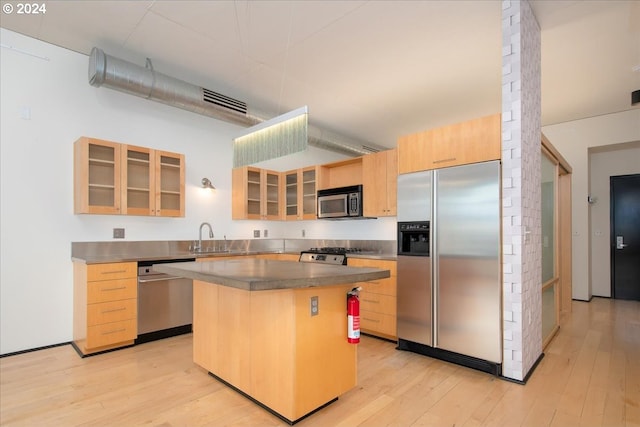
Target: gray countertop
point(261, 274)
point(150, 256)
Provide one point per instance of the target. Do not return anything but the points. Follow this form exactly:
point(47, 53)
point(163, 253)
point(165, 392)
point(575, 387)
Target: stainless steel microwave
point(343, 202)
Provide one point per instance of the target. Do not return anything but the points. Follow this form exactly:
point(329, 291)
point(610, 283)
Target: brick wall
point(521, 130)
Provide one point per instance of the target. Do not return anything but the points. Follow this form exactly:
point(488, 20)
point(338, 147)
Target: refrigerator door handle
point(434, 257)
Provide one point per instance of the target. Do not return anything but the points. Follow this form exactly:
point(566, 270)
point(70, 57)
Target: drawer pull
point(370, 300)
point(451, 159)
point(114, 332)
point(115, 309)
point(114, 289)
point(371, 320)
point(113, 272)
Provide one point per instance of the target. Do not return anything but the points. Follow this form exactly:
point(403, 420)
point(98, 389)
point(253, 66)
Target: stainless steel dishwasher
point(165, 303)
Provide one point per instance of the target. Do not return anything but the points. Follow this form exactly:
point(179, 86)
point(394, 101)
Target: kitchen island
point(255, 330)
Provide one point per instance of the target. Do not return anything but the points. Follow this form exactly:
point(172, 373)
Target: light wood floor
point(590, 376)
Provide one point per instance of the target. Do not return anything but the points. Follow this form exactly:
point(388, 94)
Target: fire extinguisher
point(353, 316)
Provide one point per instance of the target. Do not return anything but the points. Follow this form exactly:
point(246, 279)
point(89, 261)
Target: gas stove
point(327, 255)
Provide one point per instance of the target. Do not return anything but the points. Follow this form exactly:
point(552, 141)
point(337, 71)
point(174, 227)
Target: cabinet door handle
point(114, 331)
point(450, 159)
point(113, 272)
point(370, 300)
point(371, 320)
point(114, 309)
point(114, 289)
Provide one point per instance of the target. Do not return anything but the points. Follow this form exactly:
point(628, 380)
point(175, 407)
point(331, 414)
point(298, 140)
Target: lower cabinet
point(378, 299)
point(105, 306)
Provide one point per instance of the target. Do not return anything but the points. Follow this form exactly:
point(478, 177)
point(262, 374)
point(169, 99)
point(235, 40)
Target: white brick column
point(521, 133)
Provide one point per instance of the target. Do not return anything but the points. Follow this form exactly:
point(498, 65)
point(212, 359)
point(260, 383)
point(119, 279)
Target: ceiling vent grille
point(223, 101)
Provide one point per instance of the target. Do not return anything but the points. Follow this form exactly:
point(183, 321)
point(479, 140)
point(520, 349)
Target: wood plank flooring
point(590, 376)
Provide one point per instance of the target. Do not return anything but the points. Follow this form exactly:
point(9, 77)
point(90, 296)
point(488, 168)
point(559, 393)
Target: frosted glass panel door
point(550, 278)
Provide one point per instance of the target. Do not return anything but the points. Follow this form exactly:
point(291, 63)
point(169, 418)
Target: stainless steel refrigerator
point(450, 297)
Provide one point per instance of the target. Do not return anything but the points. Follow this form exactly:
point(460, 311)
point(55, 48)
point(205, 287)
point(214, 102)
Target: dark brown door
point(625, 236)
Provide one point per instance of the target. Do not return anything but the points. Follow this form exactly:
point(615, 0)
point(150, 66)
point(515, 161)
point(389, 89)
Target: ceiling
point(368, 70)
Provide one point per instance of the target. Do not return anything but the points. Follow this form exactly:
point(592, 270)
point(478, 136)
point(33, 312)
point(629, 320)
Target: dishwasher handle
point(158, 279)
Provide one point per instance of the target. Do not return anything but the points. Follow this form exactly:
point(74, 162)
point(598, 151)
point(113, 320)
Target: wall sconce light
point(277, 137)
point(206, 183)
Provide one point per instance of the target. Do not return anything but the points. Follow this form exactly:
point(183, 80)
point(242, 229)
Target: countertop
point(106, 258)
point(262, 274)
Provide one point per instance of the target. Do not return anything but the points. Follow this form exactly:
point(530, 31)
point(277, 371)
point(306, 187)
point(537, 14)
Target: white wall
point(621, 159)
point(46, 104)
point(573, 140)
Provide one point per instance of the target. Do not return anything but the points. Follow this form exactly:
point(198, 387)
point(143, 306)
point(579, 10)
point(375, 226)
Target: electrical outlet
point(265, 233)
point(313, 306)
point(118, 233)
point(256, 233)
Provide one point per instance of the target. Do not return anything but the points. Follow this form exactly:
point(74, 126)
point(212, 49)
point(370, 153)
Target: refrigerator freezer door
point(414, 196)
point(414, 299)
point(467, 260)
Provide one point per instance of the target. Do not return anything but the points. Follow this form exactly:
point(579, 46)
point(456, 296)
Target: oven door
point(334, 206)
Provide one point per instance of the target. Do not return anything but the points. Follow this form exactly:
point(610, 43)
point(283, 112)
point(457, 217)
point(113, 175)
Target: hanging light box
point(277, 137)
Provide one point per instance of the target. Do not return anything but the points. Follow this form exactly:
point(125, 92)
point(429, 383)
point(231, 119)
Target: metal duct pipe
point(118, 74)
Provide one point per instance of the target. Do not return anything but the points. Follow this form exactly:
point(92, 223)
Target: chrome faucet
point(199, 247)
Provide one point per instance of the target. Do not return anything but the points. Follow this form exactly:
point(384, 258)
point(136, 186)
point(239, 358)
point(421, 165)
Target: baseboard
point(15, 353)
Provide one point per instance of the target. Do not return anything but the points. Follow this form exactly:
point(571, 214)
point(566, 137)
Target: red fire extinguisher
point(353, 316)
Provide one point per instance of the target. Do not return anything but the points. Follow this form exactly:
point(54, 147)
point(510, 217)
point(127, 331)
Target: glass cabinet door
point(96, 176)
point(138, 195)
point(169, 182)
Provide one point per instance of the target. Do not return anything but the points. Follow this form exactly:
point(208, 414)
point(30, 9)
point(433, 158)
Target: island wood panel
point(473, 141)
point(234, 314)
point(326, 364)
point(205, 330)
point(267, 344)
point(273, 351)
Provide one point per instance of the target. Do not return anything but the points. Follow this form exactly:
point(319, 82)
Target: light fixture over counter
point(206, 183)
point(277, 137)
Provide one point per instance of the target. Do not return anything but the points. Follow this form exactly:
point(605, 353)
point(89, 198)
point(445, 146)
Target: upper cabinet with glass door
point(113, 178)
point(96, 176)
point(169, 184)
point(300, 193)
point(256, 194)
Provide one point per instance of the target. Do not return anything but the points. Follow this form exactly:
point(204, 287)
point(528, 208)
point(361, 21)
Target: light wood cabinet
point(378, 303)
point(379, 187)
point(152, 182)
point(267, 345)
point(472, 141)
point(105, 306)
point(343, 173)
point(300, 193)
point(256, 194)
point(114, 178)
point(96, 176)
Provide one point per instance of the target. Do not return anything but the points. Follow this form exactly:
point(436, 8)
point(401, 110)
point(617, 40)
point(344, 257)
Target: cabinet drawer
point(112, 311)
point(376, 323)
point(111, 333)
point(374, 263)
point(119, 270)
point(378, 303)
point(111, 290)
point(380, 286)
